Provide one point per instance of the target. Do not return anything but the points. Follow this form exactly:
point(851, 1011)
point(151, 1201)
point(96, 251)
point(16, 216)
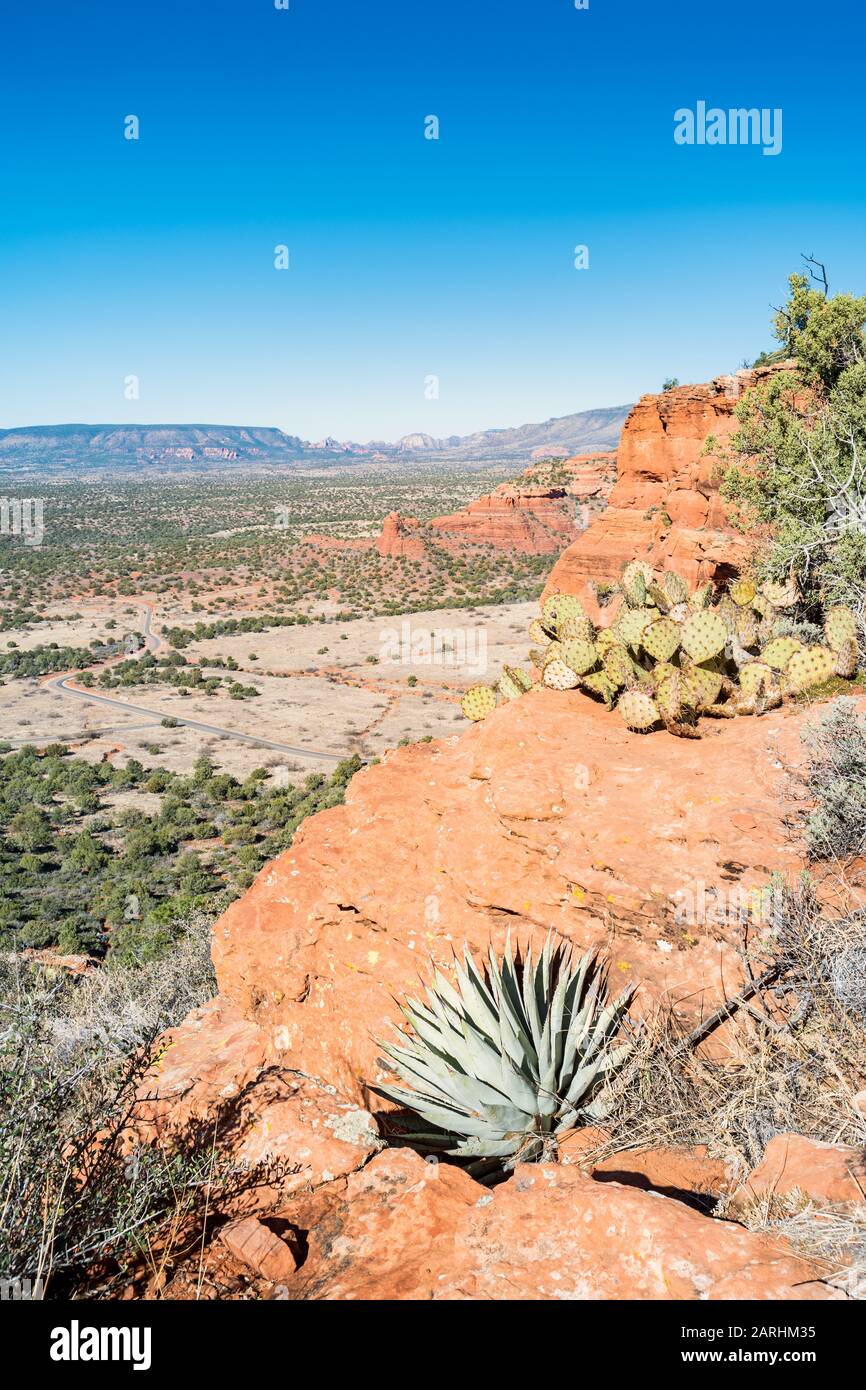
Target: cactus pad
point(558, 676)
point(704, 635)
point(572, 628)
point(808, 667)
point(618, 666)
point(676, 587)
point(639, 711)
point(846, 660)
point(661, 639)
point(780, 595)
point(743, 591)
point(779, 652)
point(631, 622)
point(579, 655)
point(756, 675)
point(478, 702)
point(840, 626)
point(600, 684)
point(704, 685)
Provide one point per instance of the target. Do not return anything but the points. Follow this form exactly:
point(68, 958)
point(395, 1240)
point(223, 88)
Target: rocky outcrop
point(526, 520)
point(400, 538)
point(548, 816)
point(407, 1229)
point(666, 507)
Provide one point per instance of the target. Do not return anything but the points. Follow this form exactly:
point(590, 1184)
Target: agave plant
point(504, 1065)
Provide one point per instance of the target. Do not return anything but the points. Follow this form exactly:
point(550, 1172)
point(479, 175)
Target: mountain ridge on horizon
point(78, 445)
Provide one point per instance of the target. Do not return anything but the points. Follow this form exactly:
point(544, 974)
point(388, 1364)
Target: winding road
point(155, 644)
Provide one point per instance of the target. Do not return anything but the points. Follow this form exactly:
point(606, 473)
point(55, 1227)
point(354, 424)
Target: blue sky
point(409, 258)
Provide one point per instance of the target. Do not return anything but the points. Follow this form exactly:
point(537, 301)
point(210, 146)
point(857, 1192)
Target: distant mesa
point(62, 448)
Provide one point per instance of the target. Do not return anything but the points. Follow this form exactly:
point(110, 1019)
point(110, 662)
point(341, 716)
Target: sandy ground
point(75, 632)
point(318, 690)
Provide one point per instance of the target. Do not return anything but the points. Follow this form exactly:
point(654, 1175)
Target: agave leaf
point(475, 1005)
point(444, 1116)
point(487, 1062)
point(530, 1002)
point(480, 984)
point(487, 1148)
point(579, 1028)
point(588, 1076)
point(517, 1045)
point(511, 985)
point(608, 1022)
point(442, 1082)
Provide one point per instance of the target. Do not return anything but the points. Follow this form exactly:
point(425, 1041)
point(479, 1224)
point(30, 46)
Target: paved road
point(153, 643)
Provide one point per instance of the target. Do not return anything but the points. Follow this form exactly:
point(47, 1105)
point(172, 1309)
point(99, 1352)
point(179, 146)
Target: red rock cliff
point(665, 506)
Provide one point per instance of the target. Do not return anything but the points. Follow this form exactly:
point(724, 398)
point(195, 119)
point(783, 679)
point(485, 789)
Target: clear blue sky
point(409, 257)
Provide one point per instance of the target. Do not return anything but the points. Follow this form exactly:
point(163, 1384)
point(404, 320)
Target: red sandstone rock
point(550, 815)
point(400, 537)
point(216, 1070)
point(791, 1162)
point(665, 507)
point(517, 519)
point(670, 1171)
point(413, 1230)
point(254, 1245)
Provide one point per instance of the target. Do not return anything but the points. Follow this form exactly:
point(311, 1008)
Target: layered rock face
point(536, 516)
point(531, 521)
point(531, 517)
point(666, 507)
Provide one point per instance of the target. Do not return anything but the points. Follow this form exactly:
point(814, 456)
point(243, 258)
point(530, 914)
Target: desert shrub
point(799, 459)
point(836, 779)
point(72, 1055)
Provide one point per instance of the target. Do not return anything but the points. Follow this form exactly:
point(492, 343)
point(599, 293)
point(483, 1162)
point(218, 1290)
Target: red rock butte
point(665, 507)
point(532, 516)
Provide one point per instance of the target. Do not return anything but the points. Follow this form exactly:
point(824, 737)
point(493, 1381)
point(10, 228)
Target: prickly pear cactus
point(808, 667)
point(579, 655)
point(671, 656)
point(661, 639)
point(743, 591)
point(840, 626)
point(558, 676)
point(779, 652)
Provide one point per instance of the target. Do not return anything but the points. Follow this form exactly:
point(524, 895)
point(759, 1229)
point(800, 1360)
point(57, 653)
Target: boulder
point(408, 1229)
point(827, 1173)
